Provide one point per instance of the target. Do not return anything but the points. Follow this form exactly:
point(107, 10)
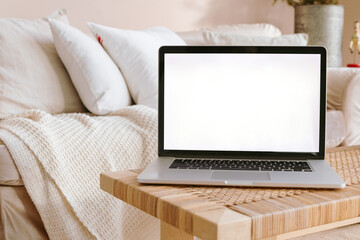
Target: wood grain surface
point(299, 212)
point(174, 206)
point(275, 218)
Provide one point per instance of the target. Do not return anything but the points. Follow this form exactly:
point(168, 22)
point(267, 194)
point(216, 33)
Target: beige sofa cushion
point(335, 128)
point(338, 80)
point(351, 110)
point(343, 91)
point(9, 174)
point(19, 219)
point(32, 75)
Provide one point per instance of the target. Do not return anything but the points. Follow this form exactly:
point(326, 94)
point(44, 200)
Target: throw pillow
point(136, 54)
point(32, 75)
point(338, 80)
point(335, 128)
point(97, 79)
point(215, 38)
point(343, 94)
point(259, 29)
point(351, 110)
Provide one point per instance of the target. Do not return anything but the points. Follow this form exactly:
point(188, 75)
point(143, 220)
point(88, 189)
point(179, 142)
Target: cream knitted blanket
point(60, 159)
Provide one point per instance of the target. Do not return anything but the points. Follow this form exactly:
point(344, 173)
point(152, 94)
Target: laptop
point(242, 116)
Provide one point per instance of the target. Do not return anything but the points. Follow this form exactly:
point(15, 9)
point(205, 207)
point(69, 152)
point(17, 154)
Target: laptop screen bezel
point(243, 154)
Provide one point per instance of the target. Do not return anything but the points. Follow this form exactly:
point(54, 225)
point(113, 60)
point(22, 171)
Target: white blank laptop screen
point(242, 102)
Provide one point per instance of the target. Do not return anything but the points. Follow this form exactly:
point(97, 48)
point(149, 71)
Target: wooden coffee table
point(184, 214)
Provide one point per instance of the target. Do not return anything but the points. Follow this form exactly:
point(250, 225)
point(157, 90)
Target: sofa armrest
point(343, 93)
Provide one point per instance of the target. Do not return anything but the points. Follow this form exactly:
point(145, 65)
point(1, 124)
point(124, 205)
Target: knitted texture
point(60, 159)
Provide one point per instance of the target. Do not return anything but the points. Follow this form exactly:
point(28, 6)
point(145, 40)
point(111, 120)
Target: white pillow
point(215, 38)
point(97, 79)
point(32, 75)
point(343, 94)
point(136, 54)
point(258, 29)
point(335, 128)
point(337, 81)
point(351, 110)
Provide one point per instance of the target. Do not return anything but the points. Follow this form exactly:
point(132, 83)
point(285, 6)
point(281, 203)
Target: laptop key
point(246, 169)
point(220, 168)
point(241, 165)
point(204, 167)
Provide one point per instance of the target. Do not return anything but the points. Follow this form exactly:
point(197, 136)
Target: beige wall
point(179, 15)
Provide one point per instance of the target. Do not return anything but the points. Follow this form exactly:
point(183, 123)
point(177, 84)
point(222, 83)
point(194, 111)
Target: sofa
point(71, 103)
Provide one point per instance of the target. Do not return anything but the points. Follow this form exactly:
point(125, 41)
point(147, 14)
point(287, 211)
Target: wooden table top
point(274, 218)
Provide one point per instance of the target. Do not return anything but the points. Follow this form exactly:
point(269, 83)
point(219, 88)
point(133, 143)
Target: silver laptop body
point(242, 116)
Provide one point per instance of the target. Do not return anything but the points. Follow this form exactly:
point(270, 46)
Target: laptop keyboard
point(243, 165)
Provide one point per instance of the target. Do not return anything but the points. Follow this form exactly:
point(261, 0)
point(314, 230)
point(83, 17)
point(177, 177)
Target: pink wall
point(137, 14)
point(179, 15)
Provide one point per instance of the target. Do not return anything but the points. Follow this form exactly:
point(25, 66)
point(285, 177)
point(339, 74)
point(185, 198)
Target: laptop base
point(322, 176)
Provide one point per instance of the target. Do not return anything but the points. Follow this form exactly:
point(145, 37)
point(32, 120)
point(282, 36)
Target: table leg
point(170, 232)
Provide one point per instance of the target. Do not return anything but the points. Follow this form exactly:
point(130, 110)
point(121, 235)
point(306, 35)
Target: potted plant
point(323, 21)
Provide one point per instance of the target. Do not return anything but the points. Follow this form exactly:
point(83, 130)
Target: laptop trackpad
point(240, 176)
